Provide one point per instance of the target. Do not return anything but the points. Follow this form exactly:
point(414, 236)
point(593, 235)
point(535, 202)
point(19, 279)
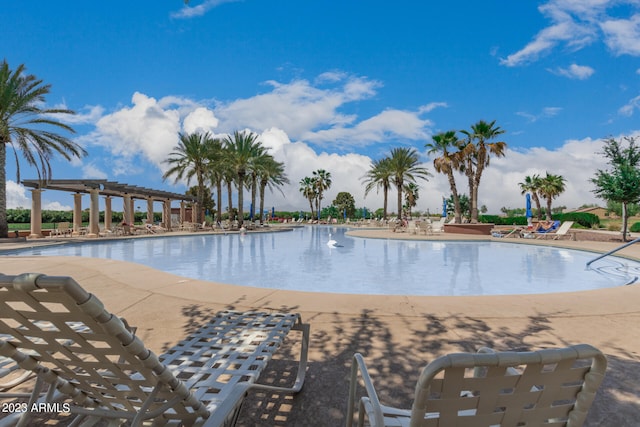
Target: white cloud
point(576, 24)
point(199, 10)
point(299, 108)
point(629, 107)
point(89, 114)
point(299, 114)
point(200, 120)
point(546, 113)
point(91, 171)
point(575, 161)
point(622, 36)
point(148, 128)
point(17, 197)
point(580, 72)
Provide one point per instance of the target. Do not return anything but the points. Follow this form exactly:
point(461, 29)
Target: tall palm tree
point(411, 195)
point(244, 146)
point(23, 126)
point(217, 165)
point(531, 184)
point(379, 176)
point(551, 186)
point(478, 152)
point(447, 164)
point(404, 164)
point(322, 180)
point(191, 158)
point(308, 190)
point(255, 164)
point(271, 175)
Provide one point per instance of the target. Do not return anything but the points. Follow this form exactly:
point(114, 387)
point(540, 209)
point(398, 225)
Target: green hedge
point(23, 216)
point(635, 227)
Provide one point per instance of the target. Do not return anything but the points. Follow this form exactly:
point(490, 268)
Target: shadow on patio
point(395, 356)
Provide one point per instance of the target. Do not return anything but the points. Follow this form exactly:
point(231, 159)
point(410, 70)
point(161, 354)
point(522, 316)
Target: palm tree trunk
point(240, 198)
point(262, 188)
point(4, 227)
point(457, 211)
point(386, 195)
point(549, 199)
point(219, 199)
point(399, 185)
point(536, 200)
point(230, 199)
point(311, 206)
point(253, 195)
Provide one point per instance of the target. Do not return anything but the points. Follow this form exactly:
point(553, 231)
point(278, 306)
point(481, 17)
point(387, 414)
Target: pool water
point(302, 260)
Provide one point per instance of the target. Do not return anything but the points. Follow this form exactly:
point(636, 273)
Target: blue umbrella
point(529, 214)
point(344, 214)
point(273, 212)
point(444, 207)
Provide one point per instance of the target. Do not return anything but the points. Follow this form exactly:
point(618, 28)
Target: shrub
point(587, 220)
point(635, 227)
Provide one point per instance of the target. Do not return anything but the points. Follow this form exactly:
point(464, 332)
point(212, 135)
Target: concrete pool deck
point(396, 334)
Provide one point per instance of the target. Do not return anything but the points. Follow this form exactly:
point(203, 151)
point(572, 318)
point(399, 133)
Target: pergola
point(109, 189)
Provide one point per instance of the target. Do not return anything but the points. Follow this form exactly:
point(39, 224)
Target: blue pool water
point(301, 260)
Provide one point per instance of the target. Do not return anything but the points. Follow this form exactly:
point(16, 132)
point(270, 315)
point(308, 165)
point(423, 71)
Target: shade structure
point(528, 214)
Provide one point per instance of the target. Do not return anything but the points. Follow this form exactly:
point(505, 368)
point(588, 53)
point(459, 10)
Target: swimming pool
point(302, 260)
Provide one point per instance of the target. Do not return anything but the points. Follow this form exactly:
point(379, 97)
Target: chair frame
point(553, 386)
point(108, 373)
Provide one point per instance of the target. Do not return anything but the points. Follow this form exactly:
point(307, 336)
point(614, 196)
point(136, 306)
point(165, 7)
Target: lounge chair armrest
point(358, 365)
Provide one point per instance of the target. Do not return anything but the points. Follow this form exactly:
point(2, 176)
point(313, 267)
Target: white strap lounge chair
point(552, 387)
point(105, 372)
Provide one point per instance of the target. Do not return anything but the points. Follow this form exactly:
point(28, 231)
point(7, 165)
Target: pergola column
point(127, 215)
point(149, 210)
point(94, 214)
point(166, 214)
point(107, 213)
point(36, 214)
point(194, 212)
point(183, 211)
point(77, 214)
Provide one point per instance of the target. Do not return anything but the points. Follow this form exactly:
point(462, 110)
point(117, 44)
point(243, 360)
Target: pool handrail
point(613, 251)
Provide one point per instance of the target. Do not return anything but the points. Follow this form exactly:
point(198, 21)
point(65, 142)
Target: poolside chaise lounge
point(554, 387)
point(105, 371)
point(558, 233)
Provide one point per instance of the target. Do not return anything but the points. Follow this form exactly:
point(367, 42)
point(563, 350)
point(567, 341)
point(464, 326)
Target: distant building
point(600, 212)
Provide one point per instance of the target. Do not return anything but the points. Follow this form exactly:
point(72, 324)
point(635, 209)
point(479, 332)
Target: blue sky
point(333, 85)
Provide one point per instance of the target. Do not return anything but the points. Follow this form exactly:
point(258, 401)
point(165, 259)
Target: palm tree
point(478, 156)
point(404, 165)
point(308, 190)
point(322, 180)
point(217, 165)
point(23, 123)
point(271, 175)
point(531, 184)
point(447, 164)
point(379, 176)
point(411, 196)
point(191, 158)
point(244, 146)
point(254, 167)
point(551, 186)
